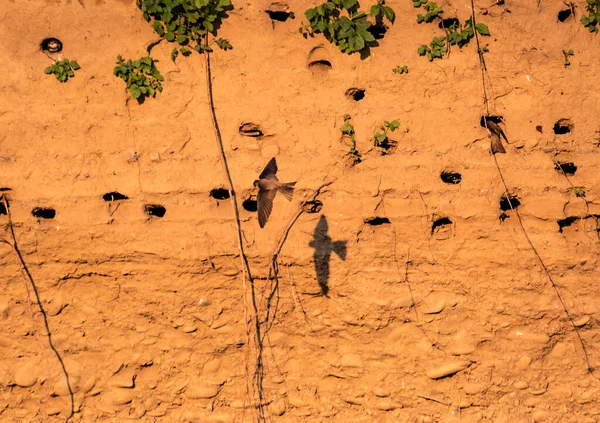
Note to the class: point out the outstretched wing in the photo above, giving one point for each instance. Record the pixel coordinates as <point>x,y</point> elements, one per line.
<point>270,170</point>
<point>264,202</point>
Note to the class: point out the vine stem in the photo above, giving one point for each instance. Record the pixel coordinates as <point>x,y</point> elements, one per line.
<point>518,215</point>
<point>246,274</point>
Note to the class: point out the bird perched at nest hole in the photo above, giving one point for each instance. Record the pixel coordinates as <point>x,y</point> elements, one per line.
<point>268,185</point>
<point>495,133</point>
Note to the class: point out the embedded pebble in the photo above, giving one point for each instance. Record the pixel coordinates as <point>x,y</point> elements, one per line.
<point>55,305</point>
<point>230,271</point>
<point>220,322</point>
<point>462,343</point>
<point>448,369</point>
<point>435,307</point>
<point>473,388</point>
<point>387,405</point>
<point>122,380</point>
<point>212,366</point>
<point>62,389</point>
<point>155,156</point>
<point>536,338</point>
<point>520,385</point>
<point>582,321</point>
<point>351,360</point>
<point>523,362</point>
<point>27,375</point>
<point>540,416</point>
<point>189,329</point>
<point>296,401</point>
<point>381,392</point>
<point>118,396</point>
<point>354,400</point>
<point>200,391</point>
<point>278,407</point>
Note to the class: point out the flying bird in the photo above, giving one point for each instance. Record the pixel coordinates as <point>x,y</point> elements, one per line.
<point>495,133</point>
<point>268,185</point>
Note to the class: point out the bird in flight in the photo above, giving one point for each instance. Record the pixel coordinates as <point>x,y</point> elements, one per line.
<point>268,185</point>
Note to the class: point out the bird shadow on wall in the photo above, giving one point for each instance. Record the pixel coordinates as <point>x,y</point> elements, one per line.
<point>324,246</point>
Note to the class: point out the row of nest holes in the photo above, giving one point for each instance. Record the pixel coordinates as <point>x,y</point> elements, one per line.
<point>561,127</point>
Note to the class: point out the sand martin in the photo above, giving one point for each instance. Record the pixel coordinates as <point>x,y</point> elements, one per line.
<point>268,185</point>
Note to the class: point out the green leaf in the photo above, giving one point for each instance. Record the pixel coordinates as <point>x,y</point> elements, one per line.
<point>348,4</point>
<point>422,50</point>
<point>75,65</point>
<point>482,29</point>
<point>135,91</point>
<point>185,51</point>
<point>170,37</point>
<point>182,39</point>
<point>48,70</point>
<point>209,26</point>
<point>174,54</point>
<point>389,14</point>
<point>310,14</point>
<point>158,27</point>
<point>375,9</point>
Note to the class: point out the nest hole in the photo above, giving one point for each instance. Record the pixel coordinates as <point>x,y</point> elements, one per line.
<point>219,193</point>
<point>114,196</point>
<point>279,16</point>
<point>155,210</point>
<point>563,15</point>
<point>448,22</point>
<point>377,221</point>
<point>378,31</point>
<point>312,206</point>
<point>450,177</point>
<point>320,66</point>
<point>3,209</point>
<point>509,203</point>
<point>563,126</point>
<point>249,129</point>
<point>43,213</point>
<point>568,168</point>
<point>355,94</point>
<point>566,222</point>
<point>539,129</point>
<point>51,45</point>
<point>494,118</point>
<point>250,204</point>
<point>439,223</point>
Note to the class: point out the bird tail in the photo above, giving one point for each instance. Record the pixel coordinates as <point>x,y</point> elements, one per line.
<point>287,189</point>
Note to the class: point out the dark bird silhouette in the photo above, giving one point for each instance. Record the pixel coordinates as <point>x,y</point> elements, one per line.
<point>495,133</point>
<point>268,185</point>
<point>324,246</point>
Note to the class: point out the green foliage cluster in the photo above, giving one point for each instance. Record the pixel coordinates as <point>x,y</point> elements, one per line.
<point>381,138</point>
<point>63,69</point>
<point>578,191</point>
<point>567,54</point>
<point>400,69</point>
<point>187,22</point>
<point>350,32</point>
<point>347,129</point>
<point>457,33</point>
<point>142,77</point>
<point>592,20</point>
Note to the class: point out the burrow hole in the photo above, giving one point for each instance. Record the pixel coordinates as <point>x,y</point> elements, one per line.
<point>568,221</point>
<point>319,66</point>
<point>563,126</point>
<point>494,118</point>
<point>114,196</point>
<point>250,204</point>
<point>312,206</point>
<point>440,223</point>
<point>279,16</point>
<point>155,210</point>
<point>568,168</point>
<point>3,209</point>
<point>51,45</point>
<point>448,22</point>
<point>539,128</point>
<point>507,202</point>
<point>563,15</point>
<point>355,94</point>
<point>249,129</point>
<point>318,61</point>
<point>43,213</point>
<point>450,177</point>
<point>219,193</point>
<point>377,221</point>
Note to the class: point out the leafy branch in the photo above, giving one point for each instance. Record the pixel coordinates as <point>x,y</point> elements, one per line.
<point>344,25</point>
<point>63,69</point>
<point>592,20</point>
<point>142,77</point>
<point>381,137</point>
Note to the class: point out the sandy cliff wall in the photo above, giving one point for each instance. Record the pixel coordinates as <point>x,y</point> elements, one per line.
<point>122,290</point>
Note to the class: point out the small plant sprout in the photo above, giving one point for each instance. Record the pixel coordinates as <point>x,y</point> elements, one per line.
<point>432,9</point>
<point>381,138</point>
<point>187,23</point>
<point>578,191</point>
<point>344,25</point>
<point>347,130</point>
<point>400,69</point>
<point>592,20</point>
<point>142,77</point>
<point>63,69</point>
<point>567,54</point>
<point>436,49</point>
